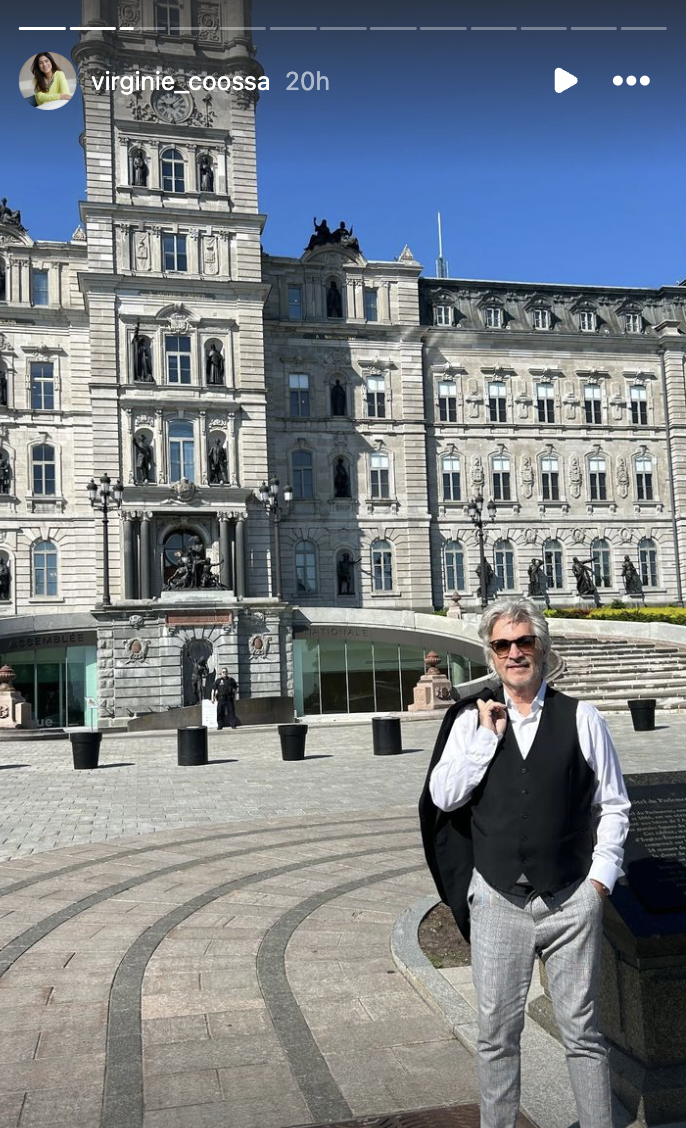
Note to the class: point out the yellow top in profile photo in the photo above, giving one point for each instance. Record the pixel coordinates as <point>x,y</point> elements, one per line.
<point>58,86</point>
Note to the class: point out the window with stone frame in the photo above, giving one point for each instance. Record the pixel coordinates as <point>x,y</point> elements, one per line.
<point>601,556</point>
<point>633,322</point>
<point>44,569</point>
<point>41,289</point>
<point>299,394</point>
<point>453,566</point>
<point>379,482</point>
<point>168,17</point>
<point>303,475</point>
<point>503,556</point>
<point>643,467</point>
<point>177,353</point>
<point>376,397</point>
<point>493,317</point>
<point>500,474</point>
<point>295,303</point>
<point>638,398</point>
<point>597,478</point>
<point>550,477</point>
<point>371,304</point>
<point>447,401</point>
<point>174,253</point>
<point>588,320</point>
<point>542,318</point>
<point>43,470</point>
<point>173,171</point>
<point>497,401</point>
<point>181,450</point>
<point>382,565</point>
<point>552,563</point>
<point>450,471</point>
<point>647,562</point>
<point>545,403</point>
<point>593,406</point>
<point>305,554</point>
<point>443,314</point>
<point>42,386</point>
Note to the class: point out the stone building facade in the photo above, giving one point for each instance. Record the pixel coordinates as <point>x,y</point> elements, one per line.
<point>164,347</point>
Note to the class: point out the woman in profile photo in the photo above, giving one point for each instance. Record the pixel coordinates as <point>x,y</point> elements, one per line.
<point>49,81</point>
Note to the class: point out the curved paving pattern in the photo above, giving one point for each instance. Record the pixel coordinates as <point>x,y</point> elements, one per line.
<point>246,974</point>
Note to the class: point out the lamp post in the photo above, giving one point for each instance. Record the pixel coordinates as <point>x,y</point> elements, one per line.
<point>270,496</point>
<point>475,510</point>
<point>102,498</point>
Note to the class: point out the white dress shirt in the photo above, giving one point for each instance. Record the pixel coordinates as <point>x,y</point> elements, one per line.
<point>471,747</point>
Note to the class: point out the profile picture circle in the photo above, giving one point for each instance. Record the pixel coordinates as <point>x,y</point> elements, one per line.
<point>47,81</point>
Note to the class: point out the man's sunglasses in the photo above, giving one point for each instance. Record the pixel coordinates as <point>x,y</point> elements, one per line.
<point>525,643</point>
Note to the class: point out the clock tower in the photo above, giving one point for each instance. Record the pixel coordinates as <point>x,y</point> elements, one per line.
<point>173,284</point>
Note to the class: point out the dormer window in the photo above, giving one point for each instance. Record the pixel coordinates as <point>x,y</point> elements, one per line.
<point>588,320</point>
<point>493,316</point>
<point>542,318</point>
<point>443,315</point>
<point>633,322</point>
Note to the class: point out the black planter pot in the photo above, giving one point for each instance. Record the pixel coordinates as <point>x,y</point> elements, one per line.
<point>386,736</point>
<point>643,713</point>
<point>192,746</point>
<point>292,739</point>
<point>85,748</point>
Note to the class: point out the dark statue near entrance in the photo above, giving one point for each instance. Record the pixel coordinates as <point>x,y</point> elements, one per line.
<point>5,580</point>
<point>334,300</point>
<point>585,584</point>
<point>345,574</point>
<point>338,399</point>
<point>188,574</point>
<point>199,677</point>
<point>341,479</point>
<point>142,356</point>
<point>5,473</point>
<point>218,474</point>
<point>3,387</point>
<point>143,459</point>
<point>632,580</point>
<point>538,587</point>
<point>490,575</point>
<point>214,365</point>
<point>206,174</point>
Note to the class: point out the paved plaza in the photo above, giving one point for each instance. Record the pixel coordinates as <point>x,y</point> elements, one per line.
<point>212,946</point>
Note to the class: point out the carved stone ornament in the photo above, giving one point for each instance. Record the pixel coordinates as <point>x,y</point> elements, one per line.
<point>406,255</point>
<point>478,478</point>
<point>129,13</point>
<point>208,23</point>
<point>578,536</point>
<point>217,421</point>
<point>625,536</point>
<point>179,319</point>
<point>575,478</point>
<point>622,477</point>
<point>137,650</point>
<point>144,421</point>
<point>527,476</point>
<point>136,621</point>
<point>259,646</point>
<point>184,490</point>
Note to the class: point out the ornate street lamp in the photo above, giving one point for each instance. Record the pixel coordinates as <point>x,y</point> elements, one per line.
<point>475,510</point>
<point>103,498</point>
<point>270,496</point>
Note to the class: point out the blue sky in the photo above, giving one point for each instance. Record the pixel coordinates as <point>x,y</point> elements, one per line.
<point>581,187</point>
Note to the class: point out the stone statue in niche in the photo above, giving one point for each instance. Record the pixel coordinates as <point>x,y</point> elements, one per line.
<point>218,473</point>
<point>3,281</point>
<point>3,388</point>
<point>527,476</point>
<point>5,580</point>
<point>575,478</point>
<point>206,174</point>
<point>345,574</point>
<point>214,365</point>
<point>144,456</point>
<point>341,479</point>
<point>142,356</point>
<point>210,254</point>
<point>199,677</point>
<point>334,300</point>
<point>622,477</point>
<point>139,169</point>
<point>338,399</point>
<point>5,473</point>
<point>632,580</point>
<point>478,478</point>
<point>143,251</point>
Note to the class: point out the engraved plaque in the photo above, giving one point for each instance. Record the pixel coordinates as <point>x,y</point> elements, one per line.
<point>655,854</point>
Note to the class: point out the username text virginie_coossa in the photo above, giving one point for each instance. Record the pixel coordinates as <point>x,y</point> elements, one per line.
<point>137,80</point>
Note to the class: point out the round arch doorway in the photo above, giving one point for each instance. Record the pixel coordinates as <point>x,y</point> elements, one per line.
<point>175,545</point>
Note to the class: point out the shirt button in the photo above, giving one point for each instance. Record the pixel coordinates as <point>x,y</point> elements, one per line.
<point>524,838</point>
<point>524,791</point>
<point>524,771</point>
<point>525,816</point>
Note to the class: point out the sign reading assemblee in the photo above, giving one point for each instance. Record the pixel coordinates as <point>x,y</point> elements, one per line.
<point>57,638</point>
<point>128,83</point>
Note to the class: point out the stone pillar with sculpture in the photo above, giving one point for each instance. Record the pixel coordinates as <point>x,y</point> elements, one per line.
<point>432,691</point>
<point>15,711</point>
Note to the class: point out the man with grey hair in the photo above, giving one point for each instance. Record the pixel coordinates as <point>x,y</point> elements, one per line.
<point>536,775</point>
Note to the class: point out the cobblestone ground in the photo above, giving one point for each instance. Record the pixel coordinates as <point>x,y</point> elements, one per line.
<point>210,946</point>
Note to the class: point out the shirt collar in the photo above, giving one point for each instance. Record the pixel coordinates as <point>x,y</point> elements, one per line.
<point>536,704</point>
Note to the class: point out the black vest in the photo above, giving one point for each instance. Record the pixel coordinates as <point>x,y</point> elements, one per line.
<point>533,816</point>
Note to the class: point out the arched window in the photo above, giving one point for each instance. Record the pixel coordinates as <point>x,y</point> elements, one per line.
<point>181,450</point>
<point>45,568</point>
<point>173,171</point>
<point>305,567</point>
<point>552,562</point>
<point>303,474</point>
<point>453,566</point>
<point>503,553</point>
<point>647,562</point>
<point>382,565</point>
<point>176,544</point>
<point>450,466</point>
<point>602,563</point>
<point>43,466</point>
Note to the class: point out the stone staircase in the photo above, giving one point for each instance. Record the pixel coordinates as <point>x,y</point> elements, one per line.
<point>610,671</point>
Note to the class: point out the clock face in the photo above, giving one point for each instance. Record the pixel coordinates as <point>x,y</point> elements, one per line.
<point>171,106</point>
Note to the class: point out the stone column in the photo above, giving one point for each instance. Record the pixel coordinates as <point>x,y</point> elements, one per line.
<point>225,551</point>
<point>240,557</point>
<point>202,440</point>
<point>130,538</point>
<point>144,557</point>
<point>232,448</point>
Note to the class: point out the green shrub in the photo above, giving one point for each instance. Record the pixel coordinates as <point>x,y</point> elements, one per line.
<point>615,613</point>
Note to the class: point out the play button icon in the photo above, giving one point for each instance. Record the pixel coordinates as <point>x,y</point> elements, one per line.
<point>563,80</point>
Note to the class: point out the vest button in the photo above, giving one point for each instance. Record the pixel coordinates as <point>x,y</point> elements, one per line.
<point>524,815</point>
<point>524,791</point>
<point>524,838</point>
<point>524,771</point>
